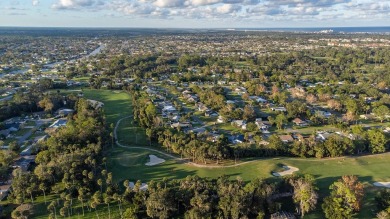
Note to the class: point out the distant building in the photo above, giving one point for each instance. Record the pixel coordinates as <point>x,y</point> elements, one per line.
<point>299,122</point>
<point>286,138</point>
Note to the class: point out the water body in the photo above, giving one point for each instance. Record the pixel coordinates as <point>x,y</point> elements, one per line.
<point>382,30</point>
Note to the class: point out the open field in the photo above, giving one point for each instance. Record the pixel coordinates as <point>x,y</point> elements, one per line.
<point>129,134</point>
<point>116,103</point>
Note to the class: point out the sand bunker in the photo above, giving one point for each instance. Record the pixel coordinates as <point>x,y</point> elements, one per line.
<point>143,187</point>
<point>154,160</point>
<point>382,184</point>
<point>288,171</point>
<point>95,103</point>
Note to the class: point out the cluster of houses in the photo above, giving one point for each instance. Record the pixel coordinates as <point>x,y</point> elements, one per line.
<point>26,157</point>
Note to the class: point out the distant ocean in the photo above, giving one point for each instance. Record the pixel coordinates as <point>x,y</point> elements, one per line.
<point>318,29</point>
<point>139,31</point>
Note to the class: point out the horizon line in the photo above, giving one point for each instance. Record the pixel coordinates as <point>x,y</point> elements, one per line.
<point>200,28</point>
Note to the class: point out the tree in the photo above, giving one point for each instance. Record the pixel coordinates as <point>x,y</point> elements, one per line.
<point>345,198</point>
<point>201,206</point>
<point>46,104</point>
<point>43,188</point>
<point>22,211</point>
<point>311,98</point>
<point>334,104</point>
<point>377,141</point>
<point>160,203</point>
<point>249,113</point>
<point>280,120</point>
<point>305,195</point>
<point>381,112</point>
<point>383,200</point>
<point>130,213</point>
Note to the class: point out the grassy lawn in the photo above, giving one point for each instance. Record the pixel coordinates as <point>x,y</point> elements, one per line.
<point>22,131</point>
<point>116,103</point>
<point>30,123</point>
<point>128,134</point>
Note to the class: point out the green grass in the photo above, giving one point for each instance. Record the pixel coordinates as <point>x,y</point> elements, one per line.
<point>116,103</point>
<point>128,134</point>
<point>30,123</point>
<point>368,168</point>
<point>22,131</point>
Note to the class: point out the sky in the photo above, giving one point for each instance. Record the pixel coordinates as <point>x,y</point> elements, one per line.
<point>194,13</point>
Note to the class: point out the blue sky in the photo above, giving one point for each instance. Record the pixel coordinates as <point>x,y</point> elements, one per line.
<point>194,13</point>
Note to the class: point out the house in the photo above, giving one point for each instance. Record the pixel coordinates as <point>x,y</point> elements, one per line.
<point>181,125</point>
<point>221,119</point>
<point>193,99</point>
<point>213,137</point>
<point>240,90</point>
<point>221,82</point>
<point>258,99</point>
<point>65,112</point>
<point>4,133</point>
<point>262,125</point>
<point>12,127</point>
<point>4,190</point>
<point>366,116</point>
<point>279,109</point>
<point>169,109</point>
<point>210,113</point>
<point>238,123</point>
<point>202,107</point>
<point>236,139</point>
<point>286,138</point>
<point>298,136</point>
<point>198,130</point>
<point>230,102</point>
<point>175,118</point>
<point>321,113</point>
<point>299,122</point>
<point>322,136</point>
<point>24,162</point>
<point>58,123</point>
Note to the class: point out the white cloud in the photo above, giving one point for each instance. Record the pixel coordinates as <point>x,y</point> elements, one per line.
<point>168,3</point>
<point>75,4</point>
<point>286,10</point>
<point>35,2</point>
<point>228,8</point>
<point>203,2</point>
